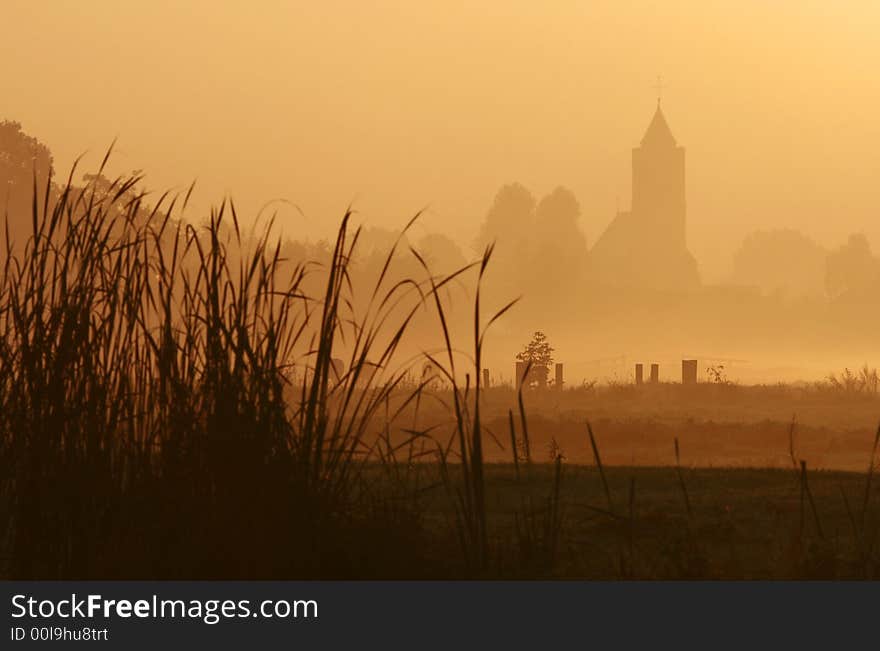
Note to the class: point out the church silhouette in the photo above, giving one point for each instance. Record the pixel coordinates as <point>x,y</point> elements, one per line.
<point>646,247</point>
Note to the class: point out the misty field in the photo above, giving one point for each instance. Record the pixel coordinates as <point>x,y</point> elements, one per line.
<point>717,425</point>
<point>673,482</point>
<point>184,401</point>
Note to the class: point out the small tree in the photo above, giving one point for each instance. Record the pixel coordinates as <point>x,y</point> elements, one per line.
<point>539,354</point>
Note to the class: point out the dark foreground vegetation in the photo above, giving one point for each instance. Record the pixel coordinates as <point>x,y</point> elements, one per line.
<point>662,523</point>
<point>171,407</point>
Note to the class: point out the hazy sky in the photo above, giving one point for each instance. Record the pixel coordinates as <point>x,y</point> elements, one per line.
<point>396,106</point>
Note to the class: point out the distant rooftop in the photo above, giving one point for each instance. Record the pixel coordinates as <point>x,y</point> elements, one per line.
<point>658,133</point>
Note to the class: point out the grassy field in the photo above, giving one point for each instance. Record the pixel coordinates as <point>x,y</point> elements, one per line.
<point>172,407</point>
<point>717,426</point>
<point>733,524</point>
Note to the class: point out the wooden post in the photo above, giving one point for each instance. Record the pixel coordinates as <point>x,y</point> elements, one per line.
<point>559,381</point>
<point>688,371</point>
<point>520,373</point>
<point>639,374</point>
<point>485,378</point>
<point>655,373</point>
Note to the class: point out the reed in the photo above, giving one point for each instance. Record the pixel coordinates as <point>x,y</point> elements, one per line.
<point>601,468</point>
<point>168,404</point>
<point>681,482</point>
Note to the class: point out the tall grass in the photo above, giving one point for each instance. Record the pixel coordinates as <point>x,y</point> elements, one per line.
<point>168,398</point>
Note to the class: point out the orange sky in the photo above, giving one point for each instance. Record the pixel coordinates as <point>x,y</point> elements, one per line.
<point>395,106</point>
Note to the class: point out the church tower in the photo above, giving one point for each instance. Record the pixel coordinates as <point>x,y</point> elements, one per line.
<point>647,246</point>
<point>658,193</point>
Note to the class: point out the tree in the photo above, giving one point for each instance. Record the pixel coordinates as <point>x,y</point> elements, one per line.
<point>539,355</point>
<point>541,250</point>
<point>852,269</point>
<point>441,253</point>
<point>784,261</point>
<point>559,247</point>
<point>21,157</point>
<point>559,212</point>
<point>510,217</point>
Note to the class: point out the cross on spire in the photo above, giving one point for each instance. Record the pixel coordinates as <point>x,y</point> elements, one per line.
<point>659,86</point>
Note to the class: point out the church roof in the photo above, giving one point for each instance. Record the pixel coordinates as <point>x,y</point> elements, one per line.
<point>658,133</point>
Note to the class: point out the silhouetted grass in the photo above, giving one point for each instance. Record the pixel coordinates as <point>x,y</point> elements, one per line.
<point>167,407</point>
<point>172,406</point>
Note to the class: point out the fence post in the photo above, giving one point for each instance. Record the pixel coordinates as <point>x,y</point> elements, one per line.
<point>688,371</point>
<point>559,381</point>
<point>655,373</point>
<point>639,374</point>
<point>485,378</point>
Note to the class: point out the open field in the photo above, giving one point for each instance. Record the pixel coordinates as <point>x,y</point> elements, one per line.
<point>743,523</point>
<point>716,425</point>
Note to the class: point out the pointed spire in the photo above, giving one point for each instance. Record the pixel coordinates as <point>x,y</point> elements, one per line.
<point>658,133</point>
